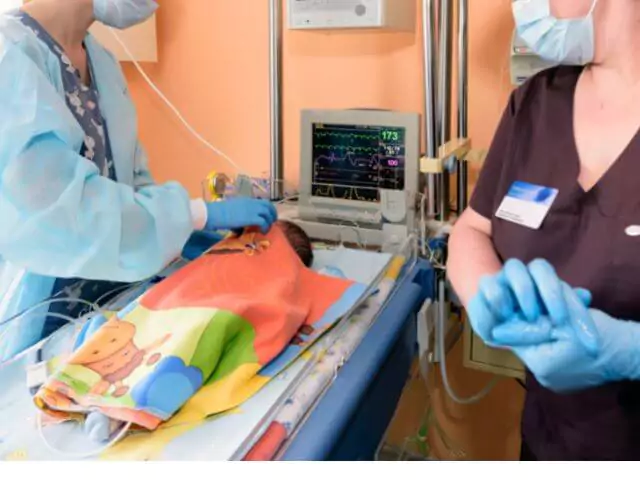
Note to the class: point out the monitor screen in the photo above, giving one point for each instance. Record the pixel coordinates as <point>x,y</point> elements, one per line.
<point>352,162</point>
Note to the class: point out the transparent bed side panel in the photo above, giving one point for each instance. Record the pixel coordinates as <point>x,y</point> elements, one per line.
<point>23,374</point>
<point>38,313</point>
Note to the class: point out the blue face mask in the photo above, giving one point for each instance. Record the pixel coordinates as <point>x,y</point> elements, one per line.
<point>568,41</point>
<point>123,13</point>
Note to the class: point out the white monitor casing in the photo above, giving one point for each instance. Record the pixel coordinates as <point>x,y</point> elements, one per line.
<point>391,219</point>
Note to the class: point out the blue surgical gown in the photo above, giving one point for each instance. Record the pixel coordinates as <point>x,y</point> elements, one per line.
<point>76,197</point>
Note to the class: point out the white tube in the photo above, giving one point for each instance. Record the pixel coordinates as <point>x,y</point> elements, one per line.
<point>177,113</point>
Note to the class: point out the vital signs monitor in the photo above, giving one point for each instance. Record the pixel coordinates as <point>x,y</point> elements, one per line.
<point>359,166</point>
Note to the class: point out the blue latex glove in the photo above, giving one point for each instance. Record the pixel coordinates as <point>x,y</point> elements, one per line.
<point>199,243</point>
<point>525,293</point>
<point>241,212</point>
<point>558,358</point>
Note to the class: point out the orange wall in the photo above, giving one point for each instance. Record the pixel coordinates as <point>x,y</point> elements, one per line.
<point>214,67</point>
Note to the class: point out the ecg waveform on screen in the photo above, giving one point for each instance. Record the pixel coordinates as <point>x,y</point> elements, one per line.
<point>347,136</point>
<point>350,157</point>
<point>349,148</point>
<point>345,193</point>
<point>354,163</point>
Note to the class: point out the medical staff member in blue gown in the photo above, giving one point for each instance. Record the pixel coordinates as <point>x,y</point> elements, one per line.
<point>79,211</point>
<point>547,257</point>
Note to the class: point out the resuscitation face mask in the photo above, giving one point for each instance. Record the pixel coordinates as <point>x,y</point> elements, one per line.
<point>123,13</point>
<point>566,41</point>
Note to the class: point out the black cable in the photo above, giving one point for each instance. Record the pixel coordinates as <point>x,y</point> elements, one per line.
<point>522,384</point>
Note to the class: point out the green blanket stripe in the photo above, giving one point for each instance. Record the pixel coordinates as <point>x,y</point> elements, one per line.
<point>225,344</point>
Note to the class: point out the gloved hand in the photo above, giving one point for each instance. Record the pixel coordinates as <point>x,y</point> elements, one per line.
<point>558,358</point>
<point>199,243</point>
<point>525,293</point>
<point>239,213</point>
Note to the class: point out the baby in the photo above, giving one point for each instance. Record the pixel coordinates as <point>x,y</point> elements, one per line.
<point>299,240</point>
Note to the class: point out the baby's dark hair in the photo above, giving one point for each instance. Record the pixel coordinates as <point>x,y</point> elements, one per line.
<point>299,240</point>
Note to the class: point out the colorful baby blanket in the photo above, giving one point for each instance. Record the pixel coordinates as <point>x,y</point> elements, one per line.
<point>220,327</point>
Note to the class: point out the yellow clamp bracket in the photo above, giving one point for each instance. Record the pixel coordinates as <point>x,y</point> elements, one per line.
<point>216,185</point>
<point>458,148</point>
<point>431,165</point>
<point>476,157</point>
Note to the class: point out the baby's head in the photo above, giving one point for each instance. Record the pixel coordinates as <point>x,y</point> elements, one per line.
<point>298,239</point>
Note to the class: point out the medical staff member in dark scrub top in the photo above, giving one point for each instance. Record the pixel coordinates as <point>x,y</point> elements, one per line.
<point>80,213</point>
<point>547,258</point>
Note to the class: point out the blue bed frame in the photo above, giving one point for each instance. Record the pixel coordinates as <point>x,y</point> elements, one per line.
<point>352,417</point>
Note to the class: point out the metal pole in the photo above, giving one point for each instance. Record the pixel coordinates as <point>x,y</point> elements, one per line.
<point>429,66</point>
<point>444,98</point>
<point>444,71</point>
<point>463,98</point>
<point>276,172</point>
<point>463,67</point>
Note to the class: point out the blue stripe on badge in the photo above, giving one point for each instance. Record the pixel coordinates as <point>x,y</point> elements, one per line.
<point>532,193</point>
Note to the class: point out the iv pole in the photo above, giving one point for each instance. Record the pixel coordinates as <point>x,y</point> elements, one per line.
<point>276,171</point>
<point>463,99</point>
<point>441,151</point>
<point>429,68</point>
<point>444,152</point>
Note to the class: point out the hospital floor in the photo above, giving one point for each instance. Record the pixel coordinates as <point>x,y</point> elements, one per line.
<point>407,438</point>
<point>428,426</point>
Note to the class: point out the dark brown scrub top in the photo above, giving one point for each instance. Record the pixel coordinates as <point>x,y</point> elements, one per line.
<point>583,237</point>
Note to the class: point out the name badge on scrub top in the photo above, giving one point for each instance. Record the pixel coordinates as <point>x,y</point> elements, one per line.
<point>526,204</point>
